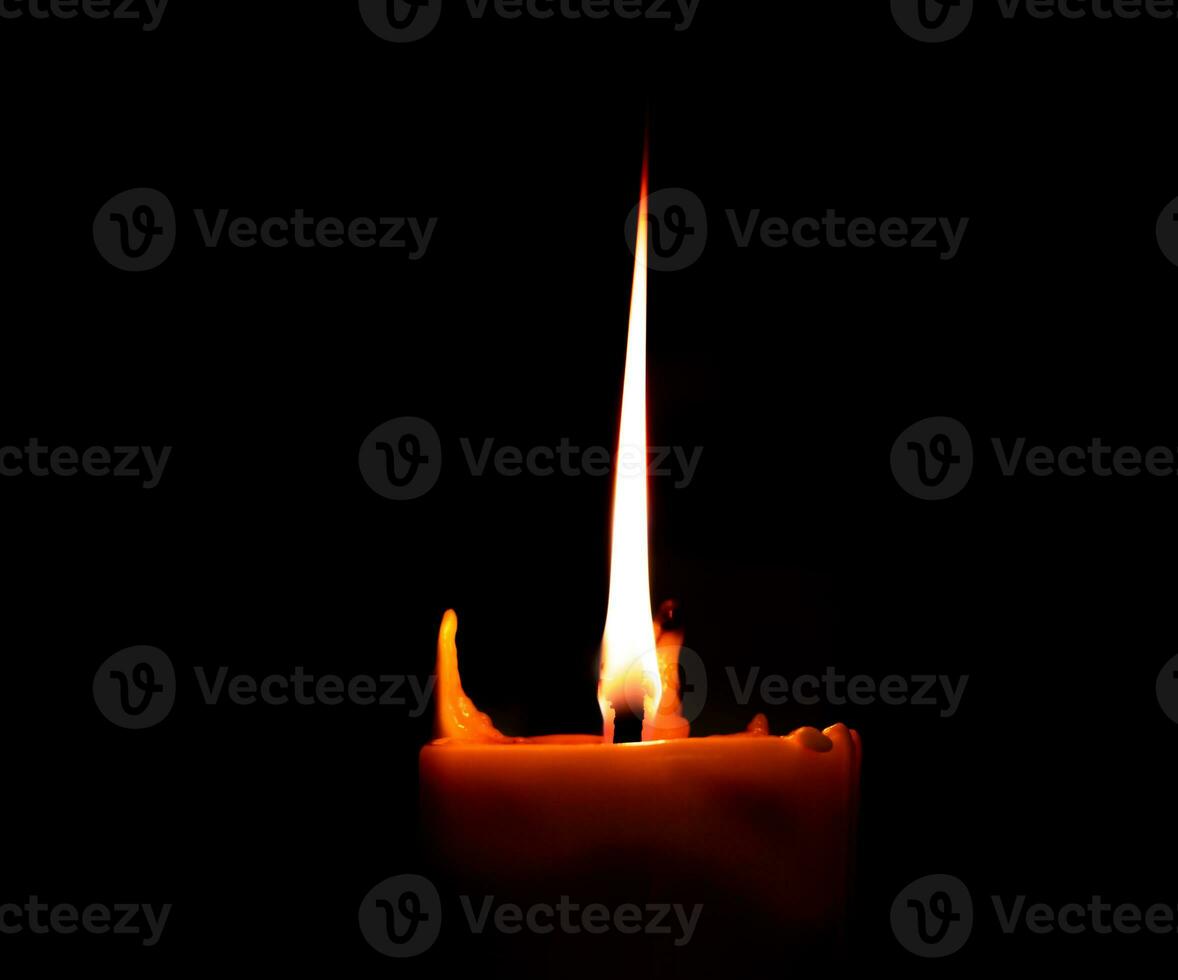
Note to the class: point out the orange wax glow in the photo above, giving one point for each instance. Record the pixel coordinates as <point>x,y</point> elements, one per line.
<point>759,827</point>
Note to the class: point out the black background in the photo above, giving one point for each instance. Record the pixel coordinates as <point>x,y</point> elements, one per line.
<point>793,548</point>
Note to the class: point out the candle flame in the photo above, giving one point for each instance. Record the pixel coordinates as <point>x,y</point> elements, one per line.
<point>629,661</point>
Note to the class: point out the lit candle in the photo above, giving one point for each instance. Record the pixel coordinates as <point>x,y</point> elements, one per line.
<point>757,828</point>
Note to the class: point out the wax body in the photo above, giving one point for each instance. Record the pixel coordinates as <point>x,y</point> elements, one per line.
<point>757,822</point>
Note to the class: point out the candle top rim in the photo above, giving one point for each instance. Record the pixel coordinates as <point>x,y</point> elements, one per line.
<point>805,737</point>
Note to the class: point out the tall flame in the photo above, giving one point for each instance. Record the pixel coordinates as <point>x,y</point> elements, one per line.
<point>629,662</point>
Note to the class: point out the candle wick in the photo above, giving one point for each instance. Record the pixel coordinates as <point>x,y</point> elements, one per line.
<point>627,723</point>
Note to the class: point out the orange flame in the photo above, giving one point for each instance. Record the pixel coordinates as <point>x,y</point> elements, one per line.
<point>629,661</point>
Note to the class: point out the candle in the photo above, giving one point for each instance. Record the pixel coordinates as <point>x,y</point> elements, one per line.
<point>753,830</point>
<point>766,821</point>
